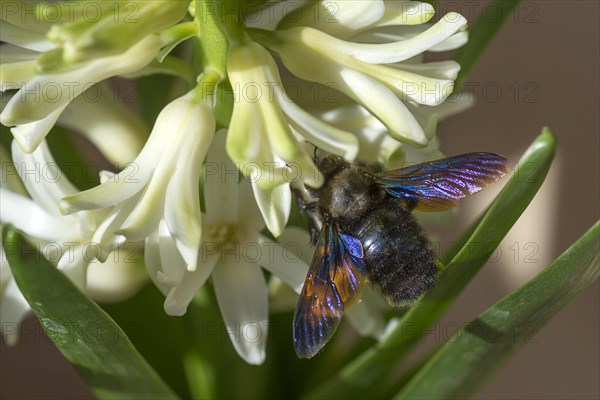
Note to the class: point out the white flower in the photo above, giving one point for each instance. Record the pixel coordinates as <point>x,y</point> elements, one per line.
<point>260,132</point>
<point>345,19</point>
<point>381,77</point>
<point>232,253</point>
<point>267,132</point>
<point>162,182</point>
<point>114,29</point>
<point>41,99</point>
<point>51,62</point>
<point>67,241</point>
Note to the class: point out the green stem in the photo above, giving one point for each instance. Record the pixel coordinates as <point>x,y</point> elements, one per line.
<point>212,44</point>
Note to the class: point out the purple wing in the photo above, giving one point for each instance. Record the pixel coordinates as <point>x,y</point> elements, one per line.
<point>333,283</point>
<point>439,184</point>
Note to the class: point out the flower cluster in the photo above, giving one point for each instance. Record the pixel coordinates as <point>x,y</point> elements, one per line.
<point>352,83</point>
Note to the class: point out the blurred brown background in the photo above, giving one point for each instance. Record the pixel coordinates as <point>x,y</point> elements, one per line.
<point>541,70</point>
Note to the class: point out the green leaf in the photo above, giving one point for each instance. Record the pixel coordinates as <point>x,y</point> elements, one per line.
<point>373,367</point>
<point>477,351</point>
<point>481,35</point>
<point>86,335</point>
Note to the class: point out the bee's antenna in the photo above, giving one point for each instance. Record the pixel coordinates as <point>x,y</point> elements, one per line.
<point>315,154</point>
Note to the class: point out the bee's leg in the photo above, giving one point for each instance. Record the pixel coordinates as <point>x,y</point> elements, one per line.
<point>314,231</point>
<point>308,207</point>
<point>305,206</point>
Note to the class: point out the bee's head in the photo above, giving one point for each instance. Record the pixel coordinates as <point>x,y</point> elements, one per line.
<point>330,164</point>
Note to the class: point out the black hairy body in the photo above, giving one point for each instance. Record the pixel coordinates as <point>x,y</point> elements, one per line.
<point>362,227</point>
<point>397,254</point>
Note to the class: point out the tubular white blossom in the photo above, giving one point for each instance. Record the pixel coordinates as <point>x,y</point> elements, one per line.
<point>162,181</point>
<point>389,91</point>
<point>259,133</point>
<point>70,237</point>
<point>232,224</point>
<point>38,104</point>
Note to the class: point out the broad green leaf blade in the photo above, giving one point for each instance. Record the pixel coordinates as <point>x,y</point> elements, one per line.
<point>373,366</point>
<point>476,352</point>
<point>481,35</point>
<point>85,334</point>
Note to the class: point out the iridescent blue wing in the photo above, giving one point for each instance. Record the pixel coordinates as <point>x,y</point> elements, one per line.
<point>333,283</point>
<point>439,184</point>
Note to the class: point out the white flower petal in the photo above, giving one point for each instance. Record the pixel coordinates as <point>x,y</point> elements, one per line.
<point>325,136</point>
<point>250,216</point>
<point>120,187</point>
<point>242,296</point>
<point>173,265</point>
<point>25,38</point>
<point>453,42</point>
<point>182,203</point>
<point>388,53</point>
<point>180,296</point>
<point>14,75</point>
<point>30,218</point>
<point>338,18</point>
<point>183,216</point>
<point>453,105</point>
<point>425,116</point>
<point>46,183</point>
<point>438,70</point>
<point>275,206</point>
<point>10,178</point>
<point>74,262</point>
<point>284,261</point>
<point>155,163</point>
<point>392,34</point>
<point>296,242</point>
<point>148,211</point>
<point>259,133</point>
<point>382,102</point>
<point>106,233</point>
<point>13,310</point>
<point>246,124</point>
<point>248,145</point>
<point>31,134</point>
<point>55,90</point>
<point>152,261</point>
<point>117,279</point>
<point>221,183</point>
<point>163,261</point>
<point>375,142</point>
<point>410,86</point>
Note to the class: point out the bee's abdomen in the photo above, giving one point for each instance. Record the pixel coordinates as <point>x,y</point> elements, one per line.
<point>397,254</point>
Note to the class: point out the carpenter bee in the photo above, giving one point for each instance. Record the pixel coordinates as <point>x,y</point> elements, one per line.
<point>362,226</point>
